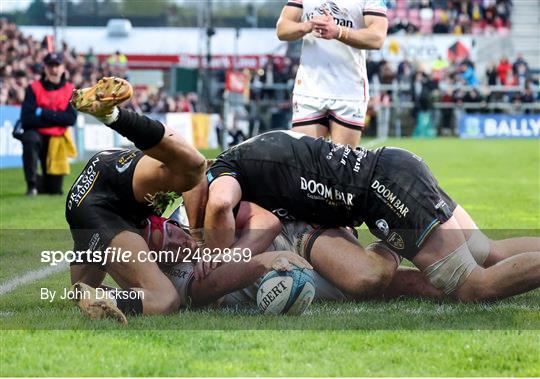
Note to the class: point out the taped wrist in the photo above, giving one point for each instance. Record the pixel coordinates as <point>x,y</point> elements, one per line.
<point>144,132</point>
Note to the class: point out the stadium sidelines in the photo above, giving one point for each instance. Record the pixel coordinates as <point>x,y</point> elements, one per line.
<point>34,275</point>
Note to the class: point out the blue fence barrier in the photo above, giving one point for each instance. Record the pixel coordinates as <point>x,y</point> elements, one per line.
<point>10,148</point>
<point>499,126</point>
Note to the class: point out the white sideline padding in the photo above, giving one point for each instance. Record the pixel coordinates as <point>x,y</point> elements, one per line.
<point>30,277</point>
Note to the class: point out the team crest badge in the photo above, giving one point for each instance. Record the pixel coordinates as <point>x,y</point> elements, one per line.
<point>396,241</point>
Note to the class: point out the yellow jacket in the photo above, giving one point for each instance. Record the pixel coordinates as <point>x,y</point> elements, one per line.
<point>60,149</point>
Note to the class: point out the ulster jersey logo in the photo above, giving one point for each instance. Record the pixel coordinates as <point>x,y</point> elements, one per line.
<point>330,6</point>
<point>340,16</point>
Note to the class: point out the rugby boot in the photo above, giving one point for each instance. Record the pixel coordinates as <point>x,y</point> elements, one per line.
<point>101,99</point>
<point>96,309</point>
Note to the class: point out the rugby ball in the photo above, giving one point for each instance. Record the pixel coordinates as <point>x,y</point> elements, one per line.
<point>286,292</point>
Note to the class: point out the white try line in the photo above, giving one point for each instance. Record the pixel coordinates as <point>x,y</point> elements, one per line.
<point>30,277</point>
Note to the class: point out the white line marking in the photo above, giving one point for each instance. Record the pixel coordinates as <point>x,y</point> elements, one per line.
<point>31,276</point>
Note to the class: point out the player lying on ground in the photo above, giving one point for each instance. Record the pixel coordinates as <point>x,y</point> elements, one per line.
<point>162,234</point>
<point>298,237</point>
<point>335,253</point>
<point>391,190</point>
<point>107,207</point>
<point>237,282</point>
<point>108,203</point>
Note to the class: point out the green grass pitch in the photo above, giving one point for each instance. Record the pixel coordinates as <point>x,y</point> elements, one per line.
<point>497,181</point>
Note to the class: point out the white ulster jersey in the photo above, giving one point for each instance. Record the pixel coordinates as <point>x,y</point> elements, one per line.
<point>330,68</point>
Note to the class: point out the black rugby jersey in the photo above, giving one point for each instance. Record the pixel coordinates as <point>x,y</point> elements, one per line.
<point>299,177</point>
<point>106,182</point>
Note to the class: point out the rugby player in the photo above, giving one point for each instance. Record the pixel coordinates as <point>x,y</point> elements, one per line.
<point>392,190</point>
<point>341,264</point>
<point>331,90</point>
<point>109,202</point>
<point>311,242</point>
<point>108,207</point>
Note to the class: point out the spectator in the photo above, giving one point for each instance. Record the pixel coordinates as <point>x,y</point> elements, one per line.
<point>439,68</point>
<point>118,64</point>
<point>442,25</point>
<point>504,70</point>
<point>421,87</point>
<point>527,97</point>
<point>447,113</point>
<point>45,114</point>
<point>452,16</point>
<point>404,71</point>
<point>468,75</point>
<point>473,96</point>
<point>491,74</point>
<point>386,74</point>
<point>520,64</point>
<point>183,104</point>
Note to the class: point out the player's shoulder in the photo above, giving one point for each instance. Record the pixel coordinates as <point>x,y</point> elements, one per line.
<point>374,7</point>
<point>295,3</point>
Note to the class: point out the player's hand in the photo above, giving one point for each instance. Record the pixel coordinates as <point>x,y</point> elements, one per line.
<point>202,269</point>
<point>286,261</point>
<point>325,26</point>
<point>307,27</point>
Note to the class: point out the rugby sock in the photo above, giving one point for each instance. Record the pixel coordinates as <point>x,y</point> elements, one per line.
<point>144,132</point>
<point>129,302</point>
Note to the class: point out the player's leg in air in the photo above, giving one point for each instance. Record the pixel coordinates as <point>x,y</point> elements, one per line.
<point>440,238</point>
<point>110,200</point>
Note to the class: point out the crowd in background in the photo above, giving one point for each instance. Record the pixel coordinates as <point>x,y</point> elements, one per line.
<point>21,62</point>
<point>448,77</point>
<point>449,16</point>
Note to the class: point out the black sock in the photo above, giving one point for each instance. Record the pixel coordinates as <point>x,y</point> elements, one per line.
<point>144,132</point>
<point>129,302</point>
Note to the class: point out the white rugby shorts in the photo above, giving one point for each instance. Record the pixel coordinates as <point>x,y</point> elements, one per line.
<point>308,110</point>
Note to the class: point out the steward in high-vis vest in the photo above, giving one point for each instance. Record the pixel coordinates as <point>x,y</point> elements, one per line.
<point>46,115</point>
